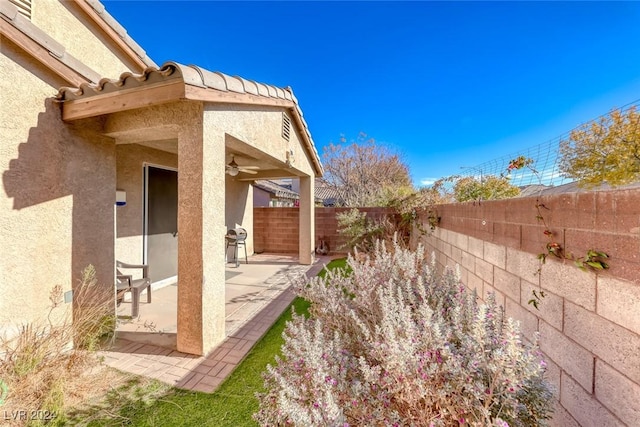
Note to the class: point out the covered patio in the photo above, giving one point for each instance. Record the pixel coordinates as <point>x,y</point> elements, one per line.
<point>257,294</point>
<point>249,288</point>
<point>187,145</point>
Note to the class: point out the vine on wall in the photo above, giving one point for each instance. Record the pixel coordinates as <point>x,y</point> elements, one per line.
<point>593,260</point>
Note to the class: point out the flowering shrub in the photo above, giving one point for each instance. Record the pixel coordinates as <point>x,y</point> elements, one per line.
<point>391,343</point>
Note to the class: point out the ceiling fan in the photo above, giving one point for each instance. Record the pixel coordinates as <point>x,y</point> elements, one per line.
<point>233,168</point>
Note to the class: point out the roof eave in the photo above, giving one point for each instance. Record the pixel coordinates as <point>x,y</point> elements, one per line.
<point>43,48</point>
<point>116,32</point>
<point>318,169</point>
<point>173,82</point>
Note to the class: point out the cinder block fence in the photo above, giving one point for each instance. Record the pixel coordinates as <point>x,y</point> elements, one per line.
<point>276,229</point>
<point>589,323</point>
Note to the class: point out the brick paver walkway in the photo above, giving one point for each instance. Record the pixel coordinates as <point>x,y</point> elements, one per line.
<point>205,373</point>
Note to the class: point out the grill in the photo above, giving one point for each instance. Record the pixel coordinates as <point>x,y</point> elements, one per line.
<point>236,237</point>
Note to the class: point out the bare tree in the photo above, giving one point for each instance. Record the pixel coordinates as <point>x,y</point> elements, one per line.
<point>365,173</point>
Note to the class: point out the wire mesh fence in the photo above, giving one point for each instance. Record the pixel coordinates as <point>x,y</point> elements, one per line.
<point>546,162</point>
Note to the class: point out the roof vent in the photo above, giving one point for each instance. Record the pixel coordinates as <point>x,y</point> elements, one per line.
<point>286,126</point>
<point>24,7</point>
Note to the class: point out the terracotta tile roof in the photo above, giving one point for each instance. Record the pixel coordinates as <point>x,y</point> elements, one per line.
<point>126,80</point>
<point>192,75</point>
<point>197,77</point>
<point>278,190</point>
<point>10,14</point>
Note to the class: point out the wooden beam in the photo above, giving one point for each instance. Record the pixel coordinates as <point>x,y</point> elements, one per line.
<point>122,100</point>
<point>221,97</point>
<point>41,54</point>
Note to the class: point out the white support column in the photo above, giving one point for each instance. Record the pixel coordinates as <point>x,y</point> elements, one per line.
<point>307,220</point>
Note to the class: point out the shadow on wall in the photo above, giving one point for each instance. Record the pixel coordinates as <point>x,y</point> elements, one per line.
<point>236,197</point>
<point>60,160</point>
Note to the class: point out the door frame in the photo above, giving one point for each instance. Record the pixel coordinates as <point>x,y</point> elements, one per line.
<point>145,219</point>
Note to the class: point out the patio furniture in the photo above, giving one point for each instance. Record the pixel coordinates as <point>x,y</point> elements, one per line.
<point>126,283</point>
<point>236,237</point>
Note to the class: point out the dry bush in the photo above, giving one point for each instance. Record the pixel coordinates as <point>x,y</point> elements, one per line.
<point>41,366</point>
<point>361,231</point>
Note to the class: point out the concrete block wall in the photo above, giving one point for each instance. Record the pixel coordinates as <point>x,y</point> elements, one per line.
<point>589,324</point>
<point>276,229</point>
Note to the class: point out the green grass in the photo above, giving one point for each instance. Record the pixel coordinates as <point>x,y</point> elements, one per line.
<point>335,264</point>
<point>232,404</point>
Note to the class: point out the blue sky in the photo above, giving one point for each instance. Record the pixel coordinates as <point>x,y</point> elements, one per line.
<point>448,84</point>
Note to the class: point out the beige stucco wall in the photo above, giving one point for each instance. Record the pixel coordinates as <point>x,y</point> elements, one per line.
<point>65,22</point>
<point>130,160</point>
<point>201,272</point>
<point>56,205</point>
<point>261,128</point>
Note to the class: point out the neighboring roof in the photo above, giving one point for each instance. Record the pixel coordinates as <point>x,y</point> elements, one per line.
<point>173,81</point>
<point>275,189</point>
<point>326,193</point>
<point>41,46</point>
<point>532,190</point>
<point>571,187</point>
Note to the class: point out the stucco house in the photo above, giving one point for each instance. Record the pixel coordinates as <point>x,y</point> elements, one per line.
<point>86,115</point>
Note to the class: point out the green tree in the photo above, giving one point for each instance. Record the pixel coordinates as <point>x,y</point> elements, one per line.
<point>366,173</point>
<point>487,188</point>
<point>605,150</point>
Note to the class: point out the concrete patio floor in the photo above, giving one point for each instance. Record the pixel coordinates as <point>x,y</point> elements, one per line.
<point>256,294</point>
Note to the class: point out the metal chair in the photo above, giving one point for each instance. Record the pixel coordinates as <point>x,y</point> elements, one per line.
<point>126,283</point>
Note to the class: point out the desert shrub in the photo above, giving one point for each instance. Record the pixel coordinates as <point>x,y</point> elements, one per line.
<point>38,364</point>
<point>393,343</point>
<point>358,230</point>
<point>361,231</point>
